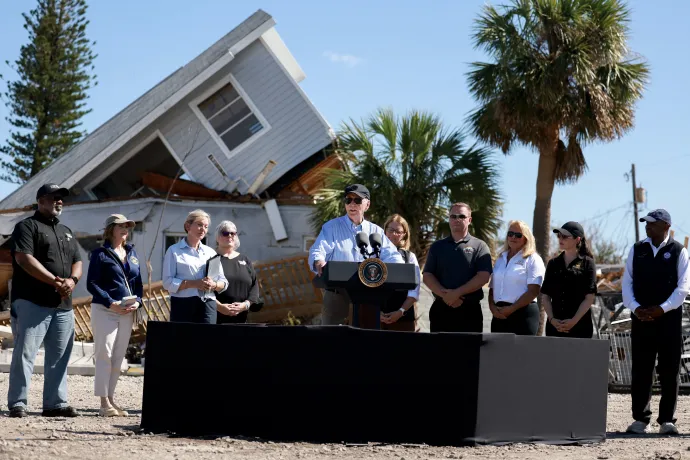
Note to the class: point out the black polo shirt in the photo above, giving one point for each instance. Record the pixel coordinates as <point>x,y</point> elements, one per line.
<point>454,264</point>
<point>55,247</point>
<point>568,285</point>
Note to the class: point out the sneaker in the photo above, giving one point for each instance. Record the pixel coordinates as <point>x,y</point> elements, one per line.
<point>638,427</point>
<point>18,412</point>
<point>668,428</point>
<point>60,412</point>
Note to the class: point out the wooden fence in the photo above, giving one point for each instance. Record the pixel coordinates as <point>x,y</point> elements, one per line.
<point>285,286</point>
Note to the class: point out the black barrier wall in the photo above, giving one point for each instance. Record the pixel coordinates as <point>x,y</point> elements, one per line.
<point>336,383</point>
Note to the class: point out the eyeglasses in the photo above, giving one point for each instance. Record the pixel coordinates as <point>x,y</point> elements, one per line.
<point>357,200</point>
<point>458,216</point>
<point>515,235</point>
<point>562,236</point>
<point>395,232</point>
<point>226,234</point>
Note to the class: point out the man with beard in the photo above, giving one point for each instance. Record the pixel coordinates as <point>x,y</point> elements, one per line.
<point>47,265</point>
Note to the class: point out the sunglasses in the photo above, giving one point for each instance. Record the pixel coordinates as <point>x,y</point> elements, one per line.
<point>458,216</point>
<point>514,235</point>
<point>562,236</point>
<point>226,234</point>
<point>357,200</point>
<point>54,197</point>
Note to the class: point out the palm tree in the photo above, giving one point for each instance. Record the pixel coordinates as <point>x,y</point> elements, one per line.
<point>561,76</point>
<point>416,167</point>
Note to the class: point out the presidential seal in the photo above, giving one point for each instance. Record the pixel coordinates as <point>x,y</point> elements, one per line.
<point>373,272</point>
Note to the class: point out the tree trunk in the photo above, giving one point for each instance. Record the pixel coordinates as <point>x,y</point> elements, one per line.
<point>541,225</point>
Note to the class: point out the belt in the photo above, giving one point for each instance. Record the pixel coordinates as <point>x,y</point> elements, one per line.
<point>331,290</point>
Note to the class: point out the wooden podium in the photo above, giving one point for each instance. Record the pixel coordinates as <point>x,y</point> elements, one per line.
<point>369,284</point>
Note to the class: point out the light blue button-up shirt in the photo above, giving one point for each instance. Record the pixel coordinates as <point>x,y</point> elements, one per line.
<point>183,262</point>
<point>336,242</point>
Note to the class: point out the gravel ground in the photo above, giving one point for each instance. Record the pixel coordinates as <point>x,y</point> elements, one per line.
<point>90,436</point>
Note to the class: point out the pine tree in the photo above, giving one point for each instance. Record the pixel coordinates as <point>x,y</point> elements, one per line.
<point>47,101</point>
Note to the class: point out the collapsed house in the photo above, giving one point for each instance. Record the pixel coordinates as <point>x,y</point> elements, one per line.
<point>234,123</point>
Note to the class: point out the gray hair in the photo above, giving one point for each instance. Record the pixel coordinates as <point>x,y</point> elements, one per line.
<point>195,215</point>
<point>227,225</point>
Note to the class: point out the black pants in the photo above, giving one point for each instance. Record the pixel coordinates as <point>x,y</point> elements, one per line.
<point>662,339</point>
<point>466,318</point>
<point>524,321</point>
<point>192,310</point>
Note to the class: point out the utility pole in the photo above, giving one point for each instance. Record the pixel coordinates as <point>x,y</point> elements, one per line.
<point>634,190</point>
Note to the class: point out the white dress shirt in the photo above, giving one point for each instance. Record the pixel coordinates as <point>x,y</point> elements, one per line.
<point>183,262</point>
<point>679,293</point>
<point>511,278</point>
<point>412,259</point>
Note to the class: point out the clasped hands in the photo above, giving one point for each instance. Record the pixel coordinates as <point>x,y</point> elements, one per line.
<point>232,309</point>
<point>649,313</point>
<point>63,286</point>
<point>452,298</point>
<point>563,325</point>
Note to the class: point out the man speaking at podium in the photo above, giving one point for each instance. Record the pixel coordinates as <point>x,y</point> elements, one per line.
<point>337,242</point>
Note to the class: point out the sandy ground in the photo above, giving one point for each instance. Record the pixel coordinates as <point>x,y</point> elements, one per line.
<point>90,436</point>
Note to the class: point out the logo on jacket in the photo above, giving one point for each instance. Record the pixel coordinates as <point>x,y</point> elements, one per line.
<point>68,236</point>
<point>667,255</point>
<point>134,260</point>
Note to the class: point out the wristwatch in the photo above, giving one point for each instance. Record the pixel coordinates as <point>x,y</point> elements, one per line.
<point>402,310</point>
<point>75,279</point>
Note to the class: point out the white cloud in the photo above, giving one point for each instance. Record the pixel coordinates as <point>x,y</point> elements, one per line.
<point>346,59</point>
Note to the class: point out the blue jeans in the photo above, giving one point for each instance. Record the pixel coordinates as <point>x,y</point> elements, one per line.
<point>36,325</point>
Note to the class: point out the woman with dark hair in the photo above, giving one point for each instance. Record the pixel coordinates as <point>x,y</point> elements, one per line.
<point>570,285</point>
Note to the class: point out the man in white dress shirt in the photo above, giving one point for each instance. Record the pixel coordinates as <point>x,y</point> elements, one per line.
<point>336,242</point>
<point>655,284</point>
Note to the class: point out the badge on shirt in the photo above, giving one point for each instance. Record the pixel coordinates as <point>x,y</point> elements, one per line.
<point>242,262</point>
<point>667,255</point>
<point>468,250</point>
<point>134,260</point>
<point>68,236</point>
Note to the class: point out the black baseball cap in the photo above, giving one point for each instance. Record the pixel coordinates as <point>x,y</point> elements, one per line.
<point>573,229</point>
<point>358,189</point>
<point>656,215</point>
<point>50,189</point>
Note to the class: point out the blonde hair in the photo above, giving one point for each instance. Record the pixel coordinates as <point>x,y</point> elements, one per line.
<point>405,241</point>
<point>194,216</point>
<point>108,234</point>
<point>530,246</point>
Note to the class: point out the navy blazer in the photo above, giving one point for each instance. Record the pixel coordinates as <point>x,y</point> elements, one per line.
<point>106,280</point>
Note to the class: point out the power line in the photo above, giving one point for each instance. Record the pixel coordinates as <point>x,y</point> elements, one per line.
<point>605,213</point>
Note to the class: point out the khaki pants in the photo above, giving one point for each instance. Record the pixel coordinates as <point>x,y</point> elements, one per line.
<point>336,308</point>
<point>111,333</point>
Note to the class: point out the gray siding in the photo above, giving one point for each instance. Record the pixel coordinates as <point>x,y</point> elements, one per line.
<point>296,130</point>
<point>107,133</point>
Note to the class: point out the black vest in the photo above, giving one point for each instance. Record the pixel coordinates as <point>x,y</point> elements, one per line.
<point>655,278</point>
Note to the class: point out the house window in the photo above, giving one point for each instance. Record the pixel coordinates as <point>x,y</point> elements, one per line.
<point>308,242</point>
<point>230,117</point>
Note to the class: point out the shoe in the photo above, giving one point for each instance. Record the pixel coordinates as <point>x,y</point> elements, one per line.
<point>638,427</point>
<point>60,412</point>
<point>668,428</point>
<point>18,412</point>
<point>108,412</point>
<point>122,413</point>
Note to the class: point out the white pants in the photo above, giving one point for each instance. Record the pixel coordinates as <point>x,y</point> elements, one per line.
<point>111,333</point>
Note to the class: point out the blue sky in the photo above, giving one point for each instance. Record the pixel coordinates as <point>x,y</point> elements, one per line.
<point>403,54</point>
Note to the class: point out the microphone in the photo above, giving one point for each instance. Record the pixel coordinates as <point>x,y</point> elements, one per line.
<point>362,243</point>
<point>376,242</point>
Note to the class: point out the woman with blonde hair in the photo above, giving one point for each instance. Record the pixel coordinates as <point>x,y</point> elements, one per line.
<point>242,294</point>
<point>114,281</point>
<point>399,312</point>
<point>515,283</point>
<point>192,292</point>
